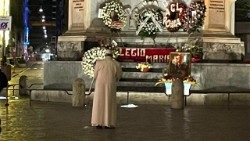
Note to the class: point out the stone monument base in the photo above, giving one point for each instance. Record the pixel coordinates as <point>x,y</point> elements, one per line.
<point>220,47</point>
<point>223,48</point>
<point>70,48</point>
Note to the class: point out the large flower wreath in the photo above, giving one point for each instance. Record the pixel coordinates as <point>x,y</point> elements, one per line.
<point>90,57</point>
<point>196,16</point>
<point>175,16</point>
<point>114,15</point>
<point>150,21</point>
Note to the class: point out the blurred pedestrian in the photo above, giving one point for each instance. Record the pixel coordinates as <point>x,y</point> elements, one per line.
<point>3,80</point>
<point>107,73</point>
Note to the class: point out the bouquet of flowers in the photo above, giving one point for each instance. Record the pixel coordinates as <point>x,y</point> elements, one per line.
<point>169,79</point>
<point>143,66</point>
<point>190,80</point>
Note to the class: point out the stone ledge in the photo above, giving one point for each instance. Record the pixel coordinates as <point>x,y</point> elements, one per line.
<point>51,95</point>
<point>147,98</point>
<point>225,40</point>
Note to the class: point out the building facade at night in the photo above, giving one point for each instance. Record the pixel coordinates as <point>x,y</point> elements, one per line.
<point>4,33</point>
<point>15,38</point>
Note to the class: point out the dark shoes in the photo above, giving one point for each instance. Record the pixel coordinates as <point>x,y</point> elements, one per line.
<point>98,127</point>
<point>109,127</point>
<point>105,127</point>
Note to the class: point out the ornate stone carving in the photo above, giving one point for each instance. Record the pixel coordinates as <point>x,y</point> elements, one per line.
<point>223,51</point>
<point>69,50</point>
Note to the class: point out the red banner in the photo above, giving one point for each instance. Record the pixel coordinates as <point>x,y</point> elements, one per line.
<point>152,55</point>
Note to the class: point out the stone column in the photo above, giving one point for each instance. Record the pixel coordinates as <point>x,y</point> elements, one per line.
<point>232,14</point>
<point>81,13</point>
<point>78,96</point>
<point>70,45</point>
<point>177,96</point>
<point>76,15</point>
<point>220,16</point>
<point>220,44</point>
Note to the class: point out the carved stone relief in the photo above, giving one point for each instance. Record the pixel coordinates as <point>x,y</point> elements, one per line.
<point>222,51</point>
<point>69,50</point>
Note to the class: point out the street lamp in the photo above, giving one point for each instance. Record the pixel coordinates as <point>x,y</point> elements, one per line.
<point>41,9</point>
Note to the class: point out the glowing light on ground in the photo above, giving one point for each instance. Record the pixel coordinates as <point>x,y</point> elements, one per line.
<point>129,106</point>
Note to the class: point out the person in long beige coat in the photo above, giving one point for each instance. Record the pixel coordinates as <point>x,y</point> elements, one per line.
<point>107,73</point>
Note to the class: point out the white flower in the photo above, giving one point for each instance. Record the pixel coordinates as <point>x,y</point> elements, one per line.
<point>118,9</point>
<point>90,57</point>
<point>149,27</point>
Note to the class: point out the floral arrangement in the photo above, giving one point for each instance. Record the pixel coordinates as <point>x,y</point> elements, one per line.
<point>196,16</point>
<point>194,47</point>
<point>189,18</point>
<point>150,21</point>
<point>89,59</point>
<point>143,66</point>
<point>175,16</point>
<point>114,15</point>
<point>96,53</point>
<point>169,79</point>
<point>178,16</point>
<point>189,80</point>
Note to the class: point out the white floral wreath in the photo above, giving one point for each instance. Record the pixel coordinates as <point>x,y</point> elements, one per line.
<point>150,21</point>
<point>90,57</point>
<point>174,20</point>
<point>114,15</point>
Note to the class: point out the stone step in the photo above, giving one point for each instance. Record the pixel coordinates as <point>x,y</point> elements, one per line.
<point>155,70</point>
<point>134,64</point>
<point>141,89</point>
<point>137,84</point>
<point>140,75</point>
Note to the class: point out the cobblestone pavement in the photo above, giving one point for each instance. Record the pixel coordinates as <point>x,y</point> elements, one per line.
<point>50,121</point>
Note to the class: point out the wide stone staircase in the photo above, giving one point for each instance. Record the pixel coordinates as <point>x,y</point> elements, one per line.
<point>135,80</point>
<point>59,77</point>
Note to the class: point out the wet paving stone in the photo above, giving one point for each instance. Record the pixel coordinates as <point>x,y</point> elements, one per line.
<point>50,121</point>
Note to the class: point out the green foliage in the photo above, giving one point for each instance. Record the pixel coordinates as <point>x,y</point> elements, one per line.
<point>193,46</point>
<point>195,50</point>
